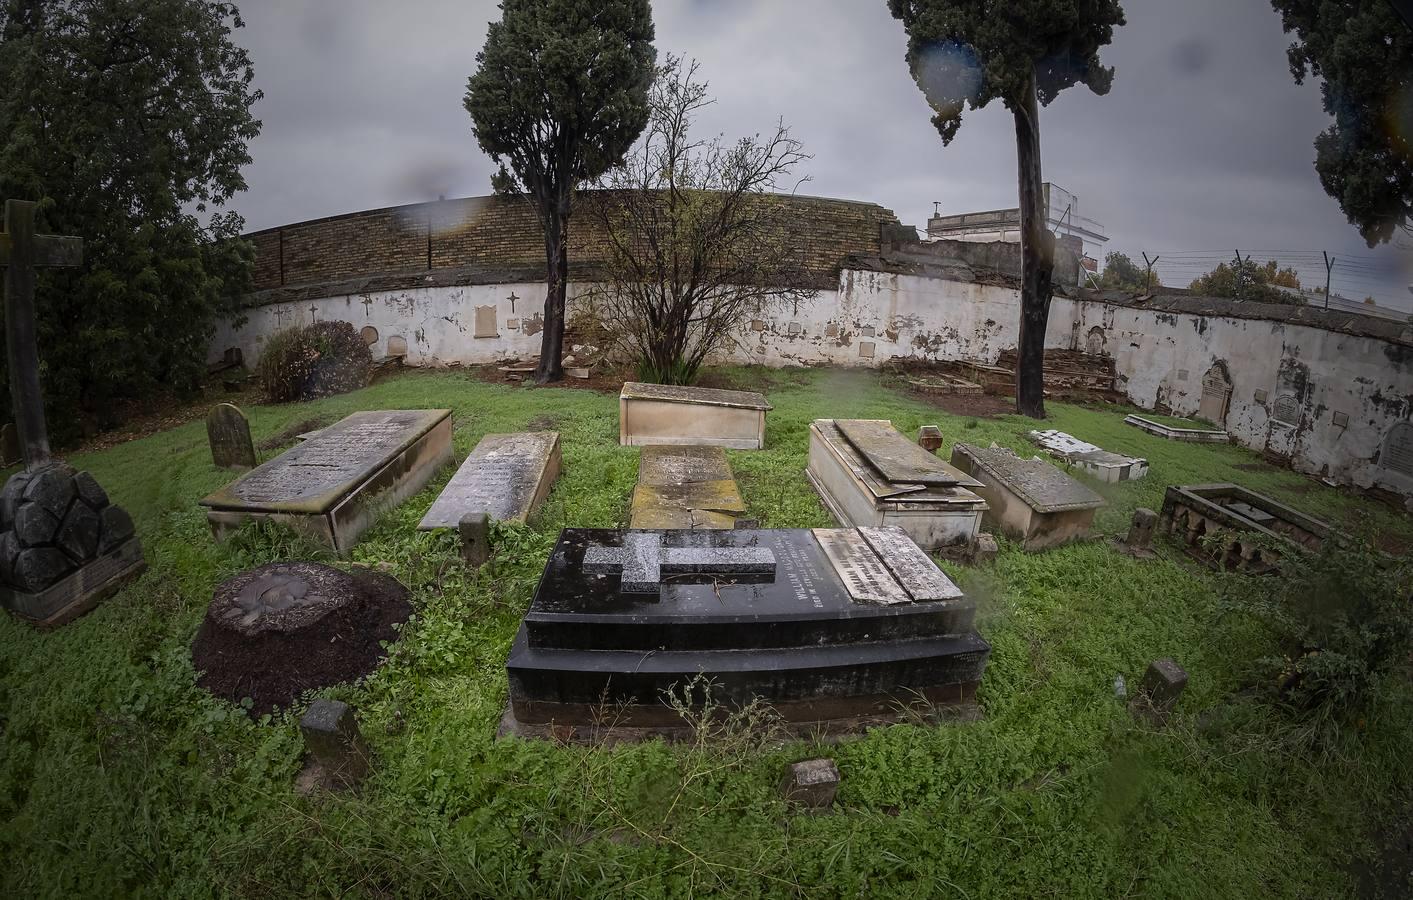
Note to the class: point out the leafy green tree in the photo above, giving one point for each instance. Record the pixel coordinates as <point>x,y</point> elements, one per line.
<point>965,53</point>
<point>127,120</point>
<point>559,95</point>
<point>1120,273</point>
<point>1364,54</point>
<point>1247,280</point>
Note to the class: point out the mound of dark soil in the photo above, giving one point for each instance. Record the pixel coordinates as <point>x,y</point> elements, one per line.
<point>276,631</point>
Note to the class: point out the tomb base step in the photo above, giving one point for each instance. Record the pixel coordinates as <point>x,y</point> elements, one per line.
<point>820,674</point>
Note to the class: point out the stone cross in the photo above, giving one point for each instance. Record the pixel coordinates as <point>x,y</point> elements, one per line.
<point>21,252</point>
<point>642,560</point>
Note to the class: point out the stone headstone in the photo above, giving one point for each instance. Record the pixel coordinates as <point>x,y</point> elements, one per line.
<point>335,744</point>
<point>507,477</point>
<point>929,438</point>
<point>812,783</point>
<point>228,432</point>
<point>332,486</point>
<point>1140,531</point>
<point>1029,498</point>
<point>9,444</point>
<point>619,617</point>
<point>475,534</point>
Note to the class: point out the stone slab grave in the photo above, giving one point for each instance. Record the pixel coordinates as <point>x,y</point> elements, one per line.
<point>1193,514</point>
<point>1179,433</point>
<point>835,629</point>
<point>672,414</point>
<point>506,477</point>
<point>868,473</point>
<point>1096,462</point>
<point>332,486</point>
<point>685,487</point>
<point>64,547</point>
<point>1029,499</point>
<point>228,433</point>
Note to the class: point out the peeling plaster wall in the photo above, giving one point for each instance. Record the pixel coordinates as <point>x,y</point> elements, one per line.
<point>1344,393</point>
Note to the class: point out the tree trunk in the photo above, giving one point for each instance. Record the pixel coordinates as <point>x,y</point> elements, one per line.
<point>551,365</point>
<point>1037,260</point>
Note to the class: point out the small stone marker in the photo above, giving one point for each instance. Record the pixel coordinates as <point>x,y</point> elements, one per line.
<point>228,432</point>
<point>812,783</point>
<point>507,477</point>
<point>1140,533</point>
<point>9,445</point>
<point>475,529</point>
<point>986,549</point>
<point>1162,685</point>
<point>337,747</point>
<point>929,438</point>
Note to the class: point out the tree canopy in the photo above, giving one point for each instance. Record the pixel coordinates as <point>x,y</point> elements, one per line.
<point>968,54</point>
<point>1246,279</point>
<point>127,120</point>
<point>559,95</point>
<point>1363,52</point>
<point>1122,274</point>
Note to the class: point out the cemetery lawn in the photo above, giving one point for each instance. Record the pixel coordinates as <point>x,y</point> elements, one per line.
<point>119,776</point>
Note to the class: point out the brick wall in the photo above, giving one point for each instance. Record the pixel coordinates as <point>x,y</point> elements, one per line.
<point>495,231</point>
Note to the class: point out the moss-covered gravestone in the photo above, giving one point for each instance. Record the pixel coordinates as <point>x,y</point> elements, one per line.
<point>228,432</point>
<point>273,632</point>
<point>63,546</point>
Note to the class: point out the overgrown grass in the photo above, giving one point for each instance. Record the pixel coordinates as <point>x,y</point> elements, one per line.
<point>117,775</point>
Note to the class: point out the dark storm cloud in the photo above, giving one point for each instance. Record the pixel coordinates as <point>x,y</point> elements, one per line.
<point>1203,143</point>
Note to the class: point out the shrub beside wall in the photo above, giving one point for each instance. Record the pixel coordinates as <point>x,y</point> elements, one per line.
<point>314,361</point>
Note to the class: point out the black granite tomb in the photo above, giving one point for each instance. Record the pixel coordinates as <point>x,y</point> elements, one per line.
<point>620,618</point>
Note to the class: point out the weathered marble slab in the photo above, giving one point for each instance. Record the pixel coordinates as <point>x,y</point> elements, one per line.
<point>332,485</point>
<point>913,569</point>
<point>1097,462</point>
<point>506,477</point>
<point>1176,433</point>
<point>685,487</point>
<point>896,458</point>
<point>667,414</point>
<point>865,576</point>
<point>933,516</point>
<point>1029,499</point>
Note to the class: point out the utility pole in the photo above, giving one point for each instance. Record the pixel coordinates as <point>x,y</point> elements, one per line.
<point>1329,269</point>
<point>1240,276</point>
<point>1148,279</point>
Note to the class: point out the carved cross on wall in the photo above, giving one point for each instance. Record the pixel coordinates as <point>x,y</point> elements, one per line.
<point>642,561</point>
<point>21,252</point>
<point>512,298</point>
<point>313,314</point>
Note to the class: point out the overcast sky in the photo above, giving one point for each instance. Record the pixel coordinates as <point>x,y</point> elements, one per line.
<point>1204,143</point>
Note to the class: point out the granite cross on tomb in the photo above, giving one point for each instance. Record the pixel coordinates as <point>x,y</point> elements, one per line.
<point>21,252</point>
<point>642,561</point>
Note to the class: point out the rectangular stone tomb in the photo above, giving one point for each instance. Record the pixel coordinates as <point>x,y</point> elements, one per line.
<point>685,487</point>
<point>942,383</point>
<point>332,486</point>
<point>1093,461</point>
<point>1178,432</point>
<point>830,627</point>
<point>671,414</point>
<point>1029,499</point>
<point>934,503</point>
<point>1217,521</point>
<point>507,477</point>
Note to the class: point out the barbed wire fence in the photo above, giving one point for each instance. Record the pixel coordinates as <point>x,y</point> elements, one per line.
<point>1352,278</point>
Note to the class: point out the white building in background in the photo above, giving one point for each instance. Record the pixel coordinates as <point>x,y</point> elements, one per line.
<point>1074,233</point>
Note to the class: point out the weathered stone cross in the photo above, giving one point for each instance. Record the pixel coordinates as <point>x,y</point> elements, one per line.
<point>642,560</point>
<point>21,252</point>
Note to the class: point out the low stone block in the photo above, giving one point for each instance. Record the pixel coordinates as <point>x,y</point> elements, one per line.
<point>1029,499</point>
<point>812,783</point>
<point>929,438</point>
<point>986,549</point>
<point>331,733</point>
<point>1161,687</point>
<point>670,414</point>
<point>1140,533</point>
<point>475,532</point>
